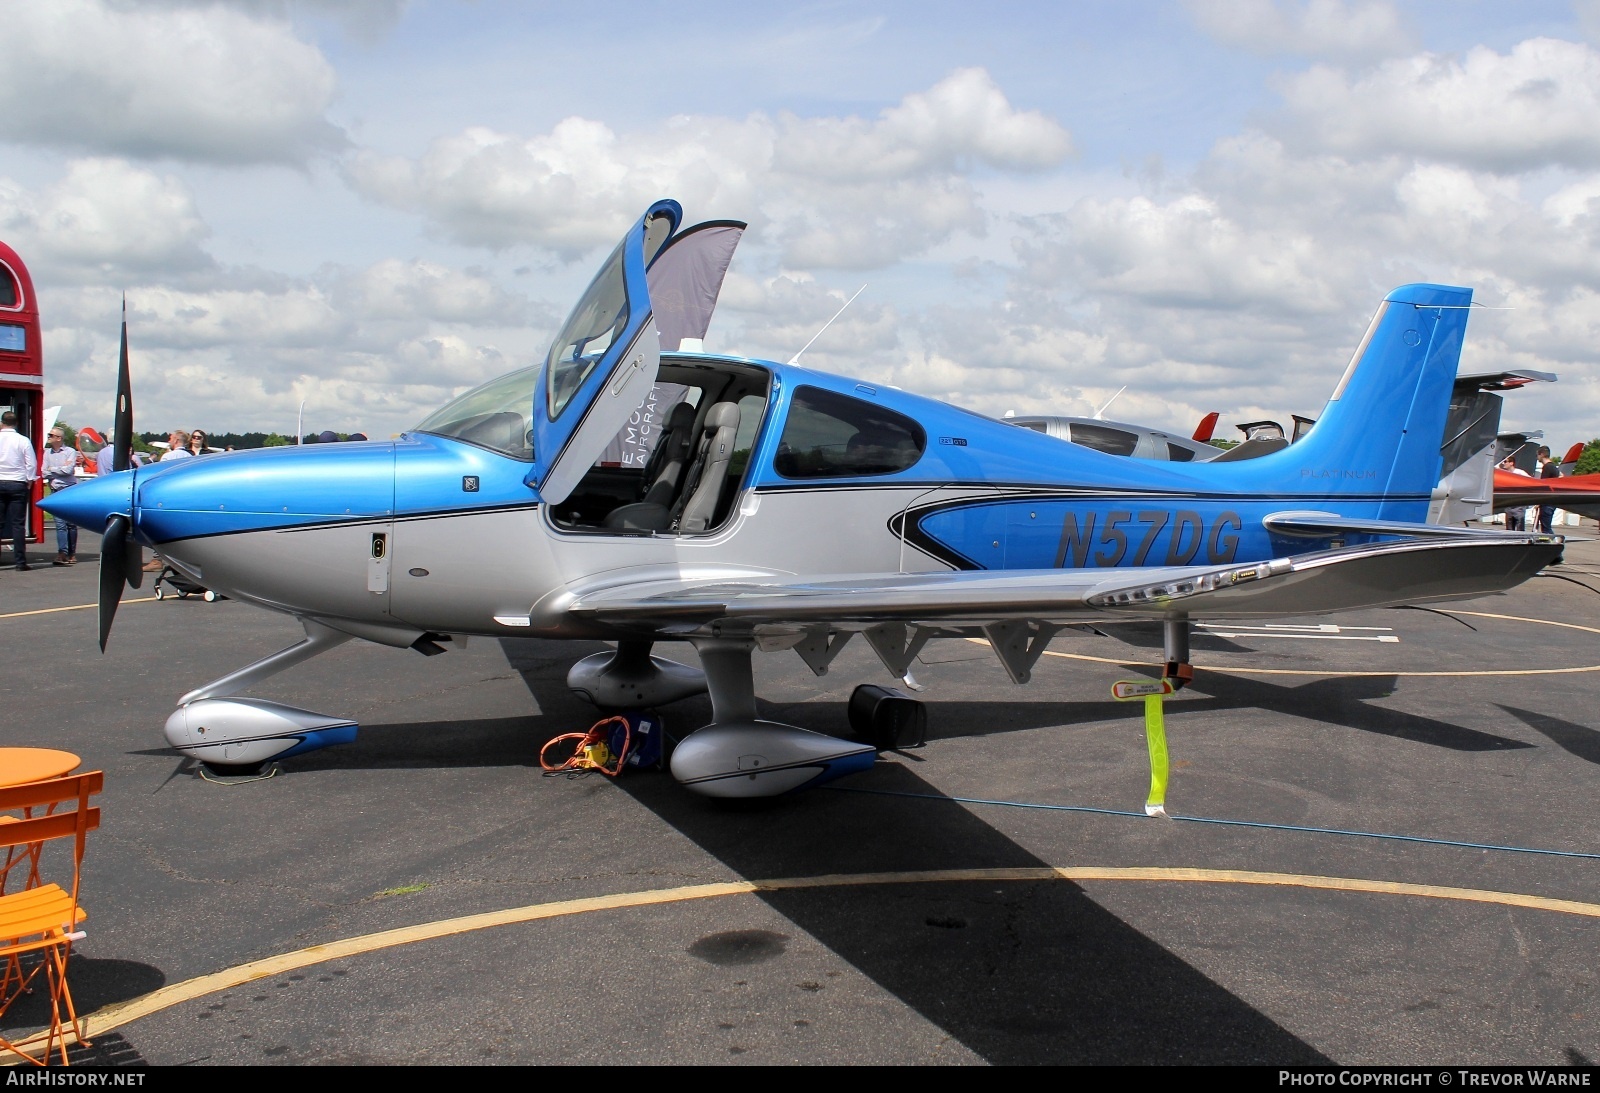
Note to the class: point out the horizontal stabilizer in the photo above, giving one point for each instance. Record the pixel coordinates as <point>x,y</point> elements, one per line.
<point>1322,525</point>
<point>1502,381</point>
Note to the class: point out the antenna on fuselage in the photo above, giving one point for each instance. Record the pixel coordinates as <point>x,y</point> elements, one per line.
<point>300,424</point>
<point>796,358</point>
<point>1101,413</point>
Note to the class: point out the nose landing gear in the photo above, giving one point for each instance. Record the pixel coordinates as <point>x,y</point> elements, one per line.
<point>234,736</point>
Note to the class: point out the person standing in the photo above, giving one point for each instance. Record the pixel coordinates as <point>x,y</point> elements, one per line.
<point>60,472</point>
<point>1516,518</point>
<point>1548,468</point>
<point>18,472</point>
<point>177,446</point>
<point>197,443</point>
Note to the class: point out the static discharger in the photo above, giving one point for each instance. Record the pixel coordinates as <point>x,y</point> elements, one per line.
<point>1154,693</point>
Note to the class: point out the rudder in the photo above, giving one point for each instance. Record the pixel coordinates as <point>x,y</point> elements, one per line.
<point>1380,431</point>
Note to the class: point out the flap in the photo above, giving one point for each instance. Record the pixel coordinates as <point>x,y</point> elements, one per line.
<point>1371,575</point>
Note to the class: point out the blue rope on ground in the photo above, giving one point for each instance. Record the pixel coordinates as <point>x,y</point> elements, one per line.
<point>1223,823</point>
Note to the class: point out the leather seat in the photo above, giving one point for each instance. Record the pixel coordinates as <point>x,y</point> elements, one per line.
<point>703,489</point>
<point>653,512</point>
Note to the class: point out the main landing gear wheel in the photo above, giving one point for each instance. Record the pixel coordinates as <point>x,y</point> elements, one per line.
<point>235,770</point>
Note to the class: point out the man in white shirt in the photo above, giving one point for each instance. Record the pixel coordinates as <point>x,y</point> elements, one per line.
<point>177,446</point>
<point>18,472</point>
<point>60,472</point>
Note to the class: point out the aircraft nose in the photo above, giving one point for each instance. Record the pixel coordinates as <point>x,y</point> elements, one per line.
<point>90,503</point>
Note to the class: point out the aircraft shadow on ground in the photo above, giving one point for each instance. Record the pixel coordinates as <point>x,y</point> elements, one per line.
<point>1579,740</point>
<point>1343,701</point>
<point>1022,973</point>
<point>1019,973</point>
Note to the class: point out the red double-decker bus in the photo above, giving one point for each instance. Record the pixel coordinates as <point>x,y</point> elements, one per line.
<point>22,364</point>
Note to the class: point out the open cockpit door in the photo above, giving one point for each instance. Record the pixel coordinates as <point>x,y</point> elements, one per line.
<point>602,363</point>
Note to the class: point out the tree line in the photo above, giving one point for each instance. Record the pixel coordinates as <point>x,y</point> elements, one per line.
<point>144,442</point>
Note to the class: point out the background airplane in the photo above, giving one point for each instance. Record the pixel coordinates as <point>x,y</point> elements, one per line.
<point>1119,438</point>
<point>780,509</point>
<point>1471,484</point>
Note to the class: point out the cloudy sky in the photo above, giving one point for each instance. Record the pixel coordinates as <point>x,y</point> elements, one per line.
<point>373,204</point>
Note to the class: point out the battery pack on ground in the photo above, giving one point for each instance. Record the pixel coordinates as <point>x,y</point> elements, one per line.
<point>887,718</point>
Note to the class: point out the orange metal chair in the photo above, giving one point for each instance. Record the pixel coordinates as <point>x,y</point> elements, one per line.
<point>39,923</point>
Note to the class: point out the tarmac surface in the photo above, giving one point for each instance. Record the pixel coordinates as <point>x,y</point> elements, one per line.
<point>1477,729</point>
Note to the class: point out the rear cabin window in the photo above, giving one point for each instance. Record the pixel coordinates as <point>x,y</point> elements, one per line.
<point>8,288</point>
<point>1102,439</point>
<point>828,435</point>
<point>1177,454</point>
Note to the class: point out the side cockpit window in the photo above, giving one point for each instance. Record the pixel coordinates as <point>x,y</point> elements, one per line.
<point>1104,439</point>
<point>494,416</point>
<point>828,435</point>
<point>10,297</point>
<point>594,325</point>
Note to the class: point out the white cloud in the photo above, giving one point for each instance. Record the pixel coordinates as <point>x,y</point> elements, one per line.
<point>396,289</point>
<point>1185,252</point>
<point>301,317</point>
<point>775,317</point>
<point>1243,287</point>
<point>364,19</point>
<point>964,119</point>
<point>1532,107</point>
<point>206,83</point>
<point>1316,28</point>
<point>375,348</point>
<point>837,192</point>
<point>1568,205</point>
<point>106,219</point>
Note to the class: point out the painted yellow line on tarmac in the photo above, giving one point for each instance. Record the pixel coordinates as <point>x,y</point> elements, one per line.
<point>74,607</point>
<point>122,1013</point>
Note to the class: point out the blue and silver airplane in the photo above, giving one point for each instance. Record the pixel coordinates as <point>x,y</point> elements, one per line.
<point>631,489</point>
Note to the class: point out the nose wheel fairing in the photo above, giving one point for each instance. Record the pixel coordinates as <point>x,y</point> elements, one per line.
<point>238,732</point>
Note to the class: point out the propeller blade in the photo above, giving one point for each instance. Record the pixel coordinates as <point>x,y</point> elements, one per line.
<point>113,570</point>
<point>133,563</point>
<point>122,423</point>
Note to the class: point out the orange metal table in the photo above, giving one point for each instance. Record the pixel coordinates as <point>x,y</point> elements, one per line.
<point>22,765</point>
<point>19,766</point>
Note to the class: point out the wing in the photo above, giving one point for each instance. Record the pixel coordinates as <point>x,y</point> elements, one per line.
<point>1576,493</point>
<point>901,612</point>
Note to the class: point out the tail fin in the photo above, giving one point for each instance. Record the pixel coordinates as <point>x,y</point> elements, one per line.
<point>1207,426</point>
<point>1381,430</point>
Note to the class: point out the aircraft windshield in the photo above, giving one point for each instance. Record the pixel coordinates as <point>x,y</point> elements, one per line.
<point>493,416</point>
<point>594,324</point>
